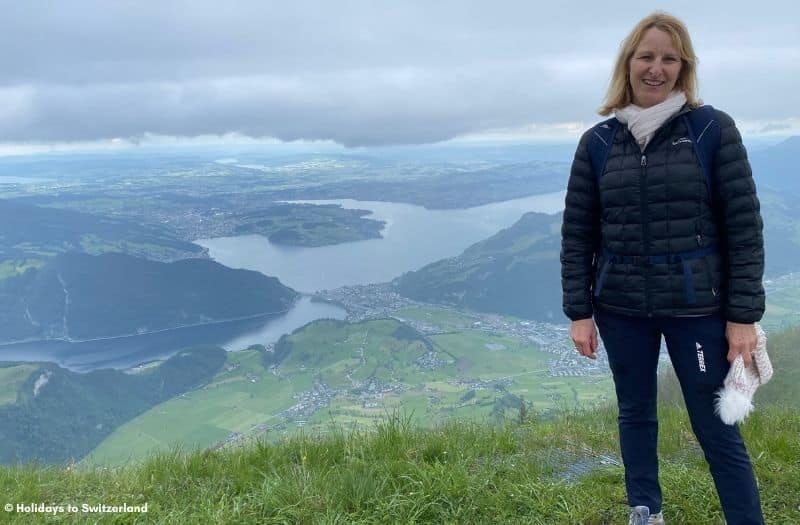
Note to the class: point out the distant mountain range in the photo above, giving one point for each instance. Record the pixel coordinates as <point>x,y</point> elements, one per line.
<point>516,272</point>
<point>78,296</point>
<point>776,167</point>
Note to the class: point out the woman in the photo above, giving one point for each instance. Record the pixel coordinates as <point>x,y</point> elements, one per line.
<point>651,245</point>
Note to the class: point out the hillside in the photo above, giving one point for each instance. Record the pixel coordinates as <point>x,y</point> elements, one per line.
<point>38,232</point>
<point>78,296</point>
<point>775,167</point>
<point>531,470</point>
<point>54,415</point>
<point>781,214</point>
<point>514,272</point>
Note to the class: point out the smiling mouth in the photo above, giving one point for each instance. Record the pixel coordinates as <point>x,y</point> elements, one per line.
<point>653,83</point>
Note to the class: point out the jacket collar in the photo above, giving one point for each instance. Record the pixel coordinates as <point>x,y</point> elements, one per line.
<point>681,112</point>
<point>684,110</point>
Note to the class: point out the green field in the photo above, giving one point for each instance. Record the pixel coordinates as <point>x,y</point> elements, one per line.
<point>446,319</point>
<point>352,375</point>
<point>11,379</point>
<point>783,303</point>
<point>239,397</point>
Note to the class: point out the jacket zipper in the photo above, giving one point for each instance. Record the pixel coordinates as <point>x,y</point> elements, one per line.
<point>709,273</point>
<point>645,208</point>
<point>645,234</point>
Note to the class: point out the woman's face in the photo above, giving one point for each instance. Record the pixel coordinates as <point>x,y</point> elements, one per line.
<point>654,68</point>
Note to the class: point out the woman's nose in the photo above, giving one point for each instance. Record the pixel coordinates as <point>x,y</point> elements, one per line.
<point>656,66</point>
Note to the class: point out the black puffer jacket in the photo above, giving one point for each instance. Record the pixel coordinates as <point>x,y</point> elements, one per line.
<point>648,209</point>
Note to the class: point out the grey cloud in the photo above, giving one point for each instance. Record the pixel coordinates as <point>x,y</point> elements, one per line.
<point>354,108</point>
<point>359,73</point>
<point>775,127</point>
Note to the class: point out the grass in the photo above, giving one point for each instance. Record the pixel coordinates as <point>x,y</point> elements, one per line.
<point>457,472</point>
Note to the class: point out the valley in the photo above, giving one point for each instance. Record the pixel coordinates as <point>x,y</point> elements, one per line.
<point>345,375</point>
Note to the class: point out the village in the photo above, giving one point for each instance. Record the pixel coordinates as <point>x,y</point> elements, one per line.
<point>380,301</point>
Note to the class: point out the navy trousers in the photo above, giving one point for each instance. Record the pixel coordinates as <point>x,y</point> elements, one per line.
<point>697,348</point>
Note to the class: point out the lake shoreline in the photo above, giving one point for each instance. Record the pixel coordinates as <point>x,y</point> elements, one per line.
<point>151,332</point>
<point>132,350</point>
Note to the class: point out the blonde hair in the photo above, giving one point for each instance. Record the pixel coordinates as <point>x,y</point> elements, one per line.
<point>619,91</point>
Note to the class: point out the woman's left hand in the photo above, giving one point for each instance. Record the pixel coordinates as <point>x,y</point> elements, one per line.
<point>742,340</point>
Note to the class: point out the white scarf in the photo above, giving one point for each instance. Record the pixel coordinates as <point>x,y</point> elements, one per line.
<point>643,122</point>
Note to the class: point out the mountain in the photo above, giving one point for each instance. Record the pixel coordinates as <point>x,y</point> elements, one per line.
<point>516,272</point>
<point>781,214</point>
<point>776,167</point>
<point>79,296</point>
<point>58,415</point>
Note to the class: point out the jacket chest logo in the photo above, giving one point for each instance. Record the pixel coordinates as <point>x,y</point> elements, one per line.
<point>682,140</point>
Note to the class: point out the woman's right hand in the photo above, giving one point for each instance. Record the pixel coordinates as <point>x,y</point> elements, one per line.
<point>584,335</point>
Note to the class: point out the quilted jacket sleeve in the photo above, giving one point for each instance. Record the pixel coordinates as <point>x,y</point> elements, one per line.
<point>741,226</point>
<point>580,235</point>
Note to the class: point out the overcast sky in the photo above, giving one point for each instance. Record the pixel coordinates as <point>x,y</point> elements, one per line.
<point>364,73</point>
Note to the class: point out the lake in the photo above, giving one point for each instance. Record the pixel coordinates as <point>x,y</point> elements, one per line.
<point>124,352</point>
<point>413,237</point>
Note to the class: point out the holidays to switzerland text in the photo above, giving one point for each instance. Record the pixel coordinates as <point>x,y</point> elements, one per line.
<point>100,508</point>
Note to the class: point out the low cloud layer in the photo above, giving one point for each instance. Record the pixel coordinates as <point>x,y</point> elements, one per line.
<point>359,73</point>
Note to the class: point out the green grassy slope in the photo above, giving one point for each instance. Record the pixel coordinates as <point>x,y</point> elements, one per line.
<point>538,471</point>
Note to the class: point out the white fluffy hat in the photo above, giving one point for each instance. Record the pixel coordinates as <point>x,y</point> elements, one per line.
<point>735,399</point>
